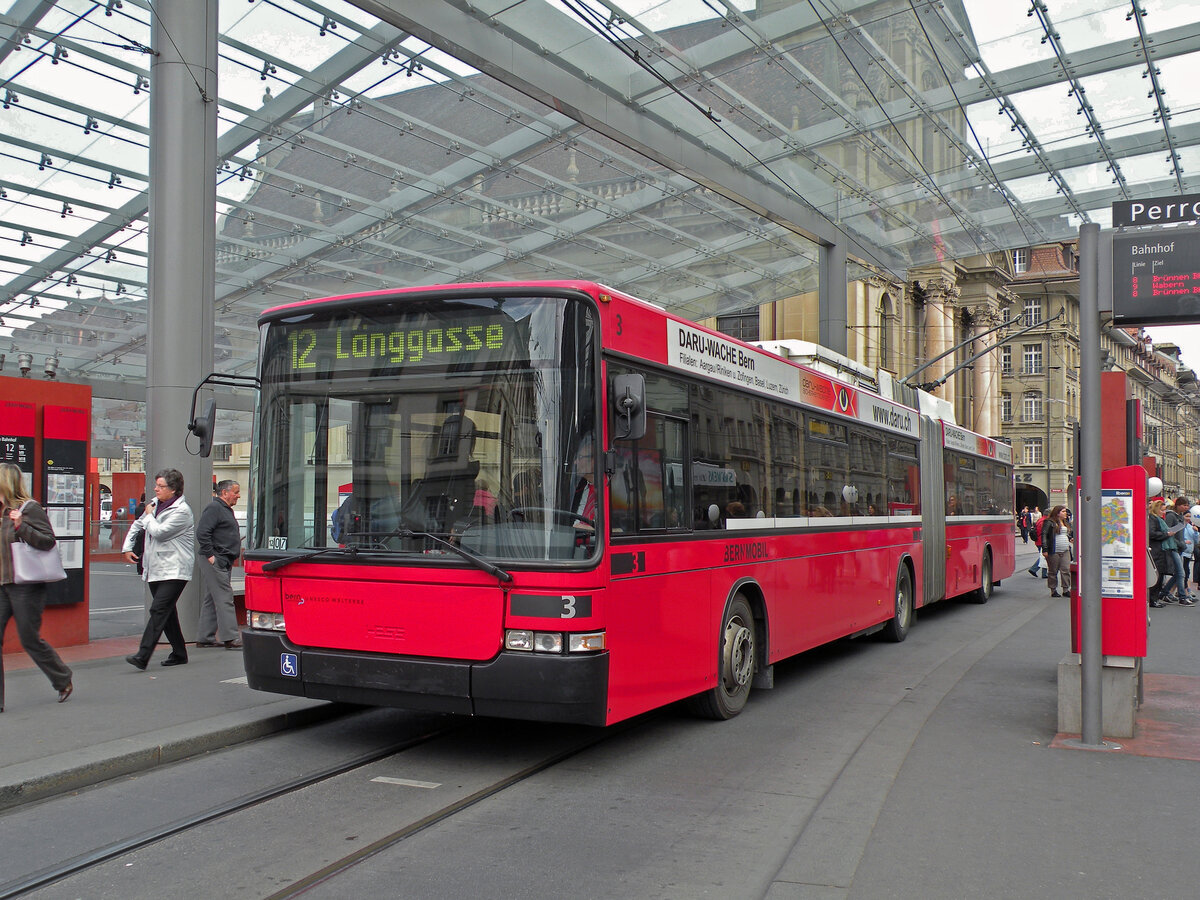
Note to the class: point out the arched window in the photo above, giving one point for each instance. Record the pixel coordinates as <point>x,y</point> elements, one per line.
<point>887,323</point>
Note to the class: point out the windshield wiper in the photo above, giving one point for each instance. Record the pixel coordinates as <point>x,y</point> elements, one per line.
<point>303,557</point>
<point>478,561</point>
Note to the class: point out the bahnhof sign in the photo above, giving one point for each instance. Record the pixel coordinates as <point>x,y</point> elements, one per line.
<point>1156,271</point>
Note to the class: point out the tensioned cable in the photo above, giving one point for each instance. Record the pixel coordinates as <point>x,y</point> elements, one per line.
<point>604,32</point>
<point>968,227</point>
<point>995,179</point>
<point>867,133</point>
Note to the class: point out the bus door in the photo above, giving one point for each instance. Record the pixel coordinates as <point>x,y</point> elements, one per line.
<point>660,591</point>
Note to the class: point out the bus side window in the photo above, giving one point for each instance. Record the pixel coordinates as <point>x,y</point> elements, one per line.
<point>647,491</point>
<point>622,489</point>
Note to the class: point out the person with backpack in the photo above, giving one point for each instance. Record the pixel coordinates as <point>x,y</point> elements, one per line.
<point>1038,569</point>
<point>1023,523</point>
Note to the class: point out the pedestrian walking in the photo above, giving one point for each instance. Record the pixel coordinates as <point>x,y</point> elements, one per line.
<point>220,542</point>
<point>1174,517</point>
<point>23,520</point>
<point>1189,535</point>
<point>167,562</point>
<point>1038,569</point>
<point>1024,521</point>
<point>1195,514</point>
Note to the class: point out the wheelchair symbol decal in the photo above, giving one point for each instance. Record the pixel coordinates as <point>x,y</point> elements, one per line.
<point>289,665</point>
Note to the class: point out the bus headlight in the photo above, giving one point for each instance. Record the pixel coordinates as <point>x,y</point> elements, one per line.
<point>265,621</point>
<point>553,641</point>
<point>518,640</point>
<point>547,642</point>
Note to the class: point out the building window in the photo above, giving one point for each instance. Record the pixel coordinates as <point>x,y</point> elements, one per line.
<point>1020,260</point>
<point>1005,406</point>
<point>1032,359</point>
<point>1032,411</point>
<point>886,320</point>
<point>1006,360</point>
<point>1033,310</point>
<point>1033,451</point>
<point>741,325</point>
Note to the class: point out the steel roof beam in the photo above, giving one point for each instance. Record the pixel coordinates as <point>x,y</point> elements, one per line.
<point>20,20</point>
<point>1012,82</point>
<point>531,48</point>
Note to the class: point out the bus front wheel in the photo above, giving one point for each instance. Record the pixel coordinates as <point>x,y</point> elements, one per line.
<point>737,664</point>
<point>897,627</point>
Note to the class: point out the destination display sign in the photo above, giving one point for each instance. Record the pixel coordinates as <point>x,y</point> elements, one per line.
<point>1156,277</point>
<point>391,341</point>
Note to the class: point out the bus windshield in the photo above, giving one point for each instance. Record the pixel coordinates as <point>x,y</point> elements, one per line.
<point>399,423</point>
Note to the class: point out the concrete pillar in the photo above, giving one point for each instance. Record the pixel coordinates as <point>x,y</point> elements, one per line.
<point>182,205</point>
<point>986,386</point>
<point>832,298</point>
<point>940,297</point>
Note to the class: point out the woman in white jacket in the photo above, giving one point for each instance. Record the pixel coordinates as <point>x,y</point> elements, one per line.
<point>167,563</point>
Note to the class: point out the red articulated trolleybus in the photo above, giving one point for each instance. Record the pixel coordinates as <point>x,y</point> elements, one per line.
<point>554,501</point>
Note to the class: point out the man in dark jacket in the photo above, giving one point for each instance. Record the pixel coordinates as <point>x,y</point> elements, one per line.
<point>220,542</point>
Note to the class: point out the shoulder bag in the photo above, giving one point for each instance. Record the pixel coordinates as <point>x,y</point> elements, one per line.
<point>33,566</point>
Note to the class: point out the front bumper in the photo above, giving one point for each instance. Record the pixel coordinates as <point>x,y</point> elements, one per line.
<point>514,685</point>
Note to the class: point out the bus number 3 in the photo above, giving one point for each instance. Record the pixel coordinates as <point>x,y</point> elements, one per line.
<point>568,611</point>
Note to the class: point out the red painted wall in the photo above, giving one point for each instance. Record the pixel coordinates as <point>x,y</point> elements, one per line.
<point>1114,391</point>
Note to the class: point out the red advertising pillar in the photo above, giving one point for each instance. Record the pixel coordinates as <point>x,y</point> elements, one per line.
<point>45,430</point>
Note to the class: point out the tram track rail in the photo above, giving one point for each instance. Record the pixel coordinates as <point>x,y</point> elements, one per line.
<point>349,861</point>
<point>83,862</point>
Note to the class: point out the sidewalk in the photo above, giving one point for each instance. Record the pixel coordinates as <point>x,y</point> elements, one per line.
<point>120,721</point>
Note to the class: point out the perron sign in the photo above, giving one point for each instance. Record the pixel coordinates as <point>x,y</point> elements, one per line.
<point>1156,211</point>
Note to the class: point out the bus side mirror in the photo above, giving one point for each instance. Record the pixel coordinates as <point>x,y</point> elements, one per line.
<point>203,427</point>
<point>629,407</point>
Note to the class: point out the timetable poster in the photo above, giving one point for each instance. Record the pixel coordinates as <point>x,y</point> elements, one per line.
<point>18,427</point>
<point>1116,543</point>
<point>64,471</point>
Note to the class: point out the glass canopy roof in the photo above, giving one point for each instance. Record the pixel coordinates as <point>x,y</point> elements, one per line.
<point>692,152</point>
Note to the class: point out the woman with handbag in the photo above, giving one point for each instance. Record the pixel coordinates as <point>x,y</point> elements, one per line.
<point>23,521</point>
<point>168,560</point>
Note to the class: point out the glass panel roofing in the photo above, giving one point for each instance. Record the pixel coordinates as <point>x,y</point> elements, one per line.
<point>692,152</point>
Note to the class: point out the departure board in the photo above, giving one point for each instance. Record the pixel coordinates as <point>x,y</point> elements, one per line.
<point>1156,277</point>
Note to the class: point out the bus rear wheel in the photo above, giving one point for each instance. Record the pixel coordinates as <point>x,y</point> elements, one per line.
<point>737,663</point>
<point>897,627</point>
<point>983,593</point>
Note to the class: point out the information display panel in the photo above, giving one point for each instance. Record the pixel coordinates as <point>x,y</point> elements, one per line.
<point>18,431</point>
<point>1156,277</point>
<point>64,459</point>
